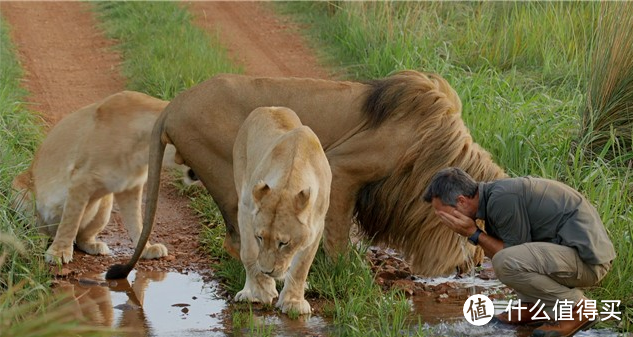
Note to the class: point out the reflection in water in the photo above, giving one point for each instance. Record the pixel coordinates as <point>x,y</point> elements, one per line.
<point>154,304</point>
<point>172,304</point>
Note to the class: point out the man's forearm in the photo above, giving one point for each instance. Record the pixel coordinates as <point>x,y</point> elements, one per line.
<point>489,244</point>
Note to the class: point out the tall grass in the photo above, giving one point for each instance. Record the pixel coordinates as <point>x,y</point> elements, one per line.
<point>609,104</point>
<point>19,135</point>
<point>27,307</point>
<point>163,52</point>
<point>360,307</point>
<point>546,39</point>
<point>520,69</point>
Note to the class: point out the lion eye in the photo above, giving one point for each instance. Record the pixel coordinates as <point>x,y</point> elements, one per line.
<point>259,238</point>
<point>282,244</point>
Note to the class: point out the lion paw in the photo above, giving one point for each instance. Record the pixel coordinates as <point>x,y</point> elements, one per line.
<point>55,255</point>
<point>255,295</point>
<point>301,306</point>
<point>94,248</point>
<point>154,251</point>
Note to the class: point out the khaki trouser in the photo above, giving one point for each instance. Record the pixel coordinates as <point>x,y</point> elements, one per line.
<point>546,271</point>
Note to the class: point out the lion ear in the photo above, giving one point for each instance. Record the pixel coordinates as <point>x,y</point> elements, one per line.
<point>260,190</point>
<point>301,204</point>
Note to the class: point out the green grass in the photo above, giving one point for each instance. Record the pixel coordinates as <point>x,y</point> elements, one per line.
<point>19,135</point>
<point>608,110</point>
<point>163,52</point>
<point>360,307</point>
<point>27,307</point>
<point>523,71</point>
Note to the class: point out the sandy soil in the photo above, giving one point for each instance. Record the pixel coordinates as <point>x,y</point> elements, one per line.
<point>69,63</point>
<point>263,43</point>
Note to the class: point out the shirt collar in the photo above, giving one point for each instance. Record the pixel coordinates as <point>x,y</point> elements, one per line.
<point>483,199</point>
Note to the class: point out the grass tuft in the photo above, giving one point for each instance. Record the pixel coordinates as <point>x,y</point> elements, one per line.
<point>163,52</point>
<point>609,104</point>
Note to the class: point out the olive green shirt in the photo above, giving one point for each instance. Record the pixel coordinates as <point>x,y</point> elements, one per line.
<point>520,210</point>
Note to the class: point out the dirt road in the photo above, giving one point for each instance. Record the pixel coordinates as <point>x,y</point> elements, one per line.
<point>263,43</point>
<point>69,63</point>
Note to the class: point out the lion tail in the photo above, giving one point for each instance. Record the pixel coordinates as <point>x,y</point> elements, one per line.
<point>157,146</point>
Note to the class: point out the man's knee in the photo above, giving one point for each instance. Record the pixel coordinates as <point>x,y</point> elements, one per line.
<point>505,264</point>
<point>501,264</point>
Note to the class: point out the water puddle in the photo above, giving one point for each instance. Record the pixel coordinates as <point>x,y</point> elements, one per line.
<point>150,303</point>
<point>443,315</point>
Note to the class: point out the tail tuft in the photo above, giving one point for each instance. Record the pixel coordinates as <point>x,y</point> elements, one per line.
<point>118,271</point>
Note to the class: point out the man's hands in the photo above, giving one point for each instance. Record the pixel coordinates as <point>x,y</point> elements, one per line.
<point>463,225</point>
<point>458,222</point>
<point>456,218</point>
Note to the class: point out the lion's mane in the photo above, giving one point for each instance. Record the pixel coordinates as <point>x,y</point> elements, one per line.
<point>391,210</point>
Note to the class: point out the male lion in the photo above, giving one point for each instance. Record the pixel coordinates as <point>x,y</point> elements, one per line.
<point>282,179</point>
<point>384,141</point>
<point>92,156</point>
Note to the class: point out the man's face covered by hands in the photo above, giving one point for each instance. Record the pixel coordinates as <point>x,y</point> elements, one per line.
<point>459,218</point>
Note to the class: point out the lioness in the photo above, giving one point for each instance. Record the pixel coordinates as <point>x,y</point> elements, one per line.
<point>91,157</point>
<point>384,140</point>
<point>282,178</point>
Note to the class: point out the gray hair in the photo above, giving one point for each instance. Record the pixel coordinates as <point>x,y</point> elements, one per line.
<point>450,183</point>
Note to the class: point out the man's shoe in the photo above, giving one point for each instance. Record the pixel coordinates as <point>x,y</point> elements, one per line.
<point>565,328</point>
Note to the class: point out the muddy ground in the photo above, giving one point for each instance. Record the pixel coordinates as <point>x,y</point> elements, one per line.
<point>69,63</point>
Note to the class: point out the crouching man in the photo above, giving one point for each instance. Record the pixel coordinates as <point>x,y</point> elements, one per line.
<point>544,238</point>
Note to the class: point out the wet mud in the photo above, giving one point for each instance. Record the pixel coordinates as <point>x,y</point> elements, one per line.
<point>157,303</point>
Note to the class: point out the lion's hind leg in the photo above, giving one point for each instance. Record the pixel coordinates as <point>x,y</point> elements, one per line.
<point>130,204</point>
<point>87,235</point>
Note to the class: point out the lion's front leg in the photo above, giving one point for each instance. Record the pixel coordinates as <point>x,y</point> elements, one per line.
<point>292,297</point>
<point>74,208</point>
<point>338,220</point>
<point>258,287</point>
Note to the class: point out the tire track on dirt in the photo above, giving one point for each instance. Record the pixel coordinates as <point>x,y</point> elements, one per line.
<point>265,44</point>
<point>68,64</point>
